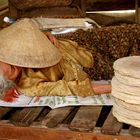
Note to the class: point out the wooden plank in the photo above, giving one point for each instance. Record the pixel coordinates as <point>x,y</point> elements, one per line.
<point>55,117</point>
<point>31,133</point>
<point>13,12</point>
<point>137,12</point>
<point>4,111</point>
<point>70,117</point>
<point>38,121</point>
<point>5,123</point>
<point>134,131</point>
<point>4,6</point>
<point>43,114</point>
<point>5,11</point>
<point>138,18</point>
<point>26,116</point>
<point>111,126</point>
<point>85,119</point>
<point>103,115</point>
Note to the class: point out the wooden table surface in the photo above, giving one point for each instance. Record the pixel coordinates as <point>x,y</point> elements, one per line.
<point>66,123</point>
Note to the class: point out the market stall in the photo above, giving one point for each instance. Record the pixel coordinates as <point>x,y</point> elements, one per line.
<point>74,117</point>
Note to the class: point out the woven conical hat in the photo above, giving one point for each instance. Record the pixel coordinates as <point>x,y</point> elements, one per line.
<point>129,66</point>
<point>23,44</point>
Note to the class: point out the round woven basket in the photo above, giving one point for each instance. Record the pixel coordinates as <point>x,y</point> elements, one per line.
<point>28,4</point>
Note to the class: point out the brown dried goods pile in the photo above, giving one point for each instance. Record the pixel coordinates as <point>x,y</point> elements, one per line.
<point>107,44</point>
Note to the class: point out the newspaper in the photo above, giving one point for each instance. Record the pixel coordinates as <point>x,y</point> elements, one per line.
<point>57,101</point>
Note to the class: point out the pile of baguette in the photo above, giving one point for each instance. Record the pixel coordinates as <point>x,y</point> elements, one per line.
<point>126,90</point>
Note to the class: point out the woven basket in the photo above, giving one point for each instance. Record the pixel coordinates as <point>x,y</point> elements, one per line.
<point>28,4</point>
<point>46,8</point>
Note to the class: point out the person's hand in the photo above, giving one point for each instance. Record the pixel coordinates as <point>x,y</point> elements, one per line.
<point>10,95</point>
<point>10,72</point>
<point>52,39</point>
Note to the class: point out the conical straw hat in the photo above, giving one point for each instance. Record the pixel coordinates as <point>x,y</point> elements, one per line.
<point>129,66</point>
<point>23,44</point>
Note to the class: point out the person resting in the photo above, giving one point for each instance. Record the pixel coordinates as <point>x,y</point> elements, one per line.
<point>31,65</point>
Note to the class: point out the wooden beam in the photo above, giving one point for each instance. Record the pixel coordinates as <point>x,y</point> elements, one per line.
<point>28,133</point>
<point>4,6</point>
<point>137,11</point>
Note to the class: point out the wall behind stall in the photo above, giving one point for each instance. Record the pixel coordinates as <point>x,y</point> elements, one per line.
<point>3,10</point>
<point>110,12</point>
<point>92,8</point>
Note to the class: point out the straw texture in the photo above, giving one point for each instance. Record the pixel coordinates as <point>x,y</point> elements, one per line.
<point>128,80</point>
<point>120,87</point>
<point>132,107</point>
<point>125,117</point>
<point>129,98</point>
<point>23,44</point>
<point>126,90</point>
<point>129,66</point>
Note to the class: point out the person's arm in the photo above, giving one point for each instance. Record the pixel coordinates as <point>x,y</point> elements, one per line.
<point>101,88</point>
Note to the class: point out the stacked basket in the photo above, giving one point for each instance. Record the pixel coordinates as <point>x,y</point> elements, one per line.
<point>126,90</point>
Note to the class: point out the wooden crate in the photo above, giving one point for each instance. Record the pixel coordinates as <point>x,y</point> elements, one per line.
<point>46,8</point>
<point>4,11</point>
<point>66,123</point>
